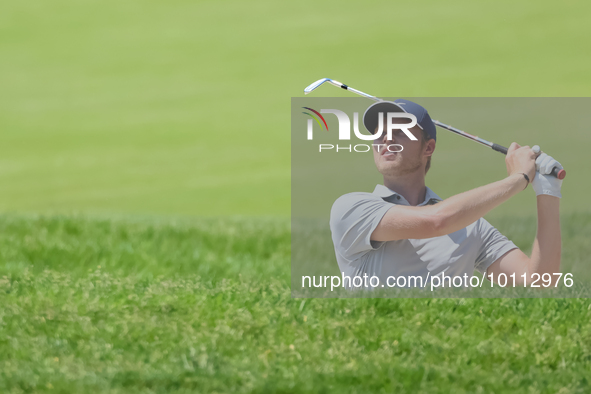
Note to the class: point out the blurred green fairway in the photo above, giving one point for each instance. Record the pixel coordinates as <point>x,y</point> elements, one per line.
<point>182,107</point>
<point>133,136</point>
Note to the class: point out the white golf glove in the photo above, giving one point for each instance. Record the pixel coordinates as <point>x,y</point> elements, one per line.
<point>544,183</point>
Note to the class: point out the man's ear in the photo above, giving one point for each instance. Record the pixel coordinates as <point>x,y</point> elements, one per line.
<point>430,147</point>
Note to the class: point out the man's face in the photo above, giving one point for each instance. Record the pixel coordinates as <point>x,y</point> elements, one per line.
<point>412,158</point>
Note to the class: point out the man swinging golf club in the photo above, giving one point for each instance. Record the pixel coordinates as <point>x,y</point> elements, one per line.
<point>404,229</point>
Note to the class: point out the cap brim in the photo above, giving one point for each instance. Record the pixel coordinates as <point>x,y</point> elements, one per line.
<point>370,117</point>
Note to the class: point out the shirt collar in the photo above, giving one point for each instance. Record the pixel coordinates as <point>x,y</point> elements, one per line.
<point>395,198</point>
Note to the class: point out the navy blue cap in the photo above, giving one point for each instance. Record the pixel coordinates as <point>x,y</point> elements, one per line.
<point>370,117</point>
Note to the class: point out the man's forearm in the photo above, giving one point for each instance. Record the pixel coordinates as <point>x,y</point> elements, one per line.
<point>545,256</point>
<point>465,208</point>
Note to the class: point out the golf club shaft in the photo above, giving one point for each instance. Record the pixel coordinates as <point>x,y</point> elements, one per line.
<point>359,92</point>
<point>557,172</point>
<point>499,148</point>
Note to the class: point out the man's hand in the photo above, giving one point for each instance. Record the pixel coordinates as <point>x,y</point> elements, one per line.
<point>520,160</point>
<point>545,256</point>
<point>543,183</point>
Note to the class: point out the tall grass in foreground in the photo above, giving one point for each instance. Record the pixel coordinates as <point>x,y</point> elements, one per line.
<point>92,305</point>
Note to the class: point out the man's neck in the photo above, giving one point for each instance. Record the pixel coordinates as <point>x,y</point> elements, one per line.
<point>410,186</point>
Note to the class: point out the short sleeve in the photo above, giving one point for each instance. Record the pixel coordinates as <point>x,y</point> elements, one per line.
<point>353,218</point>
<point>493,245</point>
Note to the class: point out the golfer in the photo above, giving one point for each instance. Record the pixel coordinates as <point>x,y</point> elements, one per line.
<point>403,228</point>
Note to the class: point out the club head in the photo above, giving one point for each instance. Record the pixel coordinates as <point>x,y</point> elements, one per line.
<point>314,85</point>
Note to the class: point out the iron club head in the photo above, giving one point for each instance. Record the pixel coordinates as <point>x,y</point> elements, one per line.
<point>314,85</point>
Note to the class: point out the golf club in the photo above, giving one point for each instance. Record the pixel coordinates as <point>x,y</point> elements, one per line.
<point>557,172</point>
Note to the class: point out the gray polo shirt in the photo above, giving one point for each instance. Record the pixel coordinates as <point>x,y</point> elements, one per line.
<point>355,216</point>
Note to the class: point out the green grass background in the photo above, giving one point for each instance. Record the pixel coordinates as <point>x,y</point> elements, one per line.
<point>145,196</point>
<point>181,107</point>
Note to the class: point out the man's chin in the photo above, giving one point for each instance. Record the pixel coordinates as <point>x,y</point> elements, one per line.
<point>389,168</point>
<point>394,168</point>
